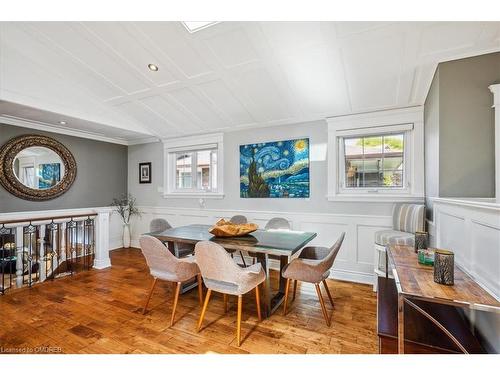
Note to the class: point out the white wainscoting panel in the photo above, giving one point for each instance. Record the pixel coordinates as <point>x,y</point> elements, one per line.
<point>472,232</point>
<point>115,231</point>
<point>354,262</point>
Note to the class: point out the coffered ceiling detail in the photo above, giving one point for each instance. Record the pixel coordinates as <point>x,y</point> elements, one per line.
<point>228,76</point>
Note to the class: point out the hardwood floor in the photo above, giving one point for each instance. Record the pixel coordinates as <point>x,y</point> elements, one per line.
<point>100,311</point>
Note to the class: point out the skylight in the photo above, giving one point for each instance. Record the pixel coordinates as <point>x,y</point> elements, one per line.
<point>193,26</point>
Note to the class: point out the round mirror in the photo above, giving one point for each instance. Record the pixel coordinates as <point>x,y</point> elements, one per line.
<point>36,167</point>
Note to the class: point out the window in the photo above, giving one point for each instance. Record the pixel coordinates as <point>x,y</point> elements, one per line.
<point>194,167</point>
<point>196,170</point>
<point>376,156</point>
<point>374,161</point>
<point>29,176</point>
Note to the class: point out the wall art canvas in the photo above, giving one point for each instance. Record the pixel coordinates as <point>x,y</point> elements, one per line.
<point>50,175</point>
<point>275,169</point>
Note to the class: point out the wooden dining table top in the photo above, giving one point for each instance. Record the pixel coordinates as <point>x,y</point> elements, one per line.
<point>271,242</point>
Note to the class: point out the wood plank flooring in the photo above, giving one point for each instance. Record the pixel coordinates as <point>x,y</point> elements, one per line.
<point>100,311</point>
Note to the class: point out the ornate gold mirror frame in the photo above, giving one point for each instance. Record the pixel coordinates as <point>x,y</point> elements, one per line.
<point>11,183</point>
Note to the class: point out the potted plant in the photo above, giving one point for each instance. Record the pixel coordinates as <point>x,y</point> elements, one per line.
<point>126,207</point>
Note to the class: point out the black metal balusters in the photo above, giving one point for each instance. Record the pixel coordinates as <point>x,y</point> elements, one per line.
<point>7,257</point>
<point>45,251</point>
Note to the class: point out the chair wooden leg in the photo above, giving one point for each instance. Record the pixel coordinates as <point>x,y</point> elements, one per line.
<point>257,301</point>
<point>328,292</point>
<point>176,298</point>
<point>200,289</point>
<point>238,321</point>
<point>149,295</point>
<point>204,309</point>
<point>294,289</point>
<point>287,288</point>
<point>225,303</point>
<point>322,302</point>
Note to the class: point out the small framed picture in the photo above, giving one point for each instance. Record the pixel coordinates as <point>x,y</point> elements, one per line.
<point>145,173</point>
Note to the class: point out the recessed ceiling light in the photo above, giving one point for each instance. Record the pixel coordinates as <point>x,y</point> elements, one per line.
<point>62,122</point>
<point>153,67</point>
<point>193,26</point>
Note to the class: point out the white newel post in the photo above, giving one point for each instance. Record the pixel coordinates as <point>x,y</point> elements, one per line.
<point>495,89</point>
<point>41,255</point>
<point>102,259</point>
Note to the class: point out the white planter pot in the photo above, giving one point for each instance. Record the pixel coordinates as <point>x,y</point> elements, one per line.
<point>126,236</point>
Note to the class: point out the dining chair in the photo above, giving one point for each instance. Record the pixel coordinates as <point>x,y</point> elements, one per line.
<point>278,223</point>
<point>239,219</point>
<point>312,266</point>
<point>161,225</point>
<point>221,274</point>
<point>163,265</point>
<point>274,223</point>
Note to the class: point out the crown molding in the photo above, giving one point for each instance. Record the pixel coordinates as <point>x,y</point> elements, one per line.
<point>43,126</point>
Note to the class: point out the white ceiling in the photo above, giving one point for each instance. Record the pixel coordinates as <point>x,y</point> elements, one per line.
<point>228,76</point>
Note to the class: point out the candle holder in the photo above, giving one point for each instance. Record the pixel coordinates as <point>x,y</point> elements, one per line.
<point>421,240</point>
<point>444,267</point>
<point>426,257</point>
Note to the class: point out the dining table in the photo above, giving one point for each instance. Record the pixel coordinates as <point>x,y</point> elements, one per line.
<point>265,245</point>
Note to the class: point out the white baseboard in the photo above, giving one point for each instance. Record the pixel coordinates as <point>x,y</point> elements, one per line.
<point>355,277</point>
<point>101,264</point>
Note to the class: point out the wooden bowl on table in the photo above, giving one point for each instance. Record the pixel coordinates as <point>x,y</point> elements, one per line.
<point>224,228</point>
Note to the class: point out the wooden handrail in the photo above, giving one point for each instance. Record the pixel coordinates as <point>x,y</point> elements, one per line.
<point>47,218</point>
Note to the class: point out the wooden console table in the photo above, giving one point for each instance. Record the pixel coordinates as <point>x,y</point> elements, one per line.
<point>416,289</point>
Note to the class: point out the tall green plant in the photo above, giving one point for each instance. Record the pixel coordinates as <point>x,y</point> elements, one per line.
<point>126,207</point>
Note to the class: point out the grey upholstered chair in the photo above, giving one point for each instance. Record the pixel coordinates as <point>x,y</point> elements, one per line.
<point>238,219</point>
<point>159,225</point>
<point>278,223</point>
<point>312,266</point>
<point>164,265</point>
<point>221,274</point>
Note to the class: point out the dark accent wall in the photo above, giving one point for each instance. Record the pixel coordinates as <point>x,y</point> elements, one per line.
<point>102,173</point>
<point>460,128</point>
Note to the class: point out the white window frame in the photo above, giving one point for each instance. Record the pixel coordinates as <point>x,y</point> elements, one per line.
<point>174,146</point>
<point>408,121</point>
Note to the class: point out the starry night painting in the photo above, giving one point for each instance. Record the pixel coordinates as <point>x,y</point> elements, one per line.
<point>275,169</point>
<point>50,175</point>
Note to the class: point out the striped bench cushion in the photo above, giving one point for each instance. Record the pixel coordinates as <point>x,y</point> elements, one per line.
<point>394,237</point>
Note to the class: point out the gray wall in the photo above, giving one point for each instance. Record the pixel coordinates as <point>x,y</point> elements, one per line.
<point>467,128</point>
<point>102,174</point>
<point>148,194</point>
<point>460,128</point>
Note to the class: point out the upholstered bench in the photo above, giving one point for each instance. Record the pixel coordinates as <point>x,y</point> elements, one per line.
<point>407,219</point>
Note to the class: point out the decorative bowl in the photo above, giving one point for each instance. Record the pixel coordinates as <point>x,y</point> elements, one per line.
<point>225,228</point>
